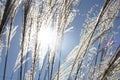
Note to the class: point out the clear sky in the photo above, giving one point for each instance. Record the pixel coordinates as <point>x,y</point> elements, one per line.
<point>71,39</point>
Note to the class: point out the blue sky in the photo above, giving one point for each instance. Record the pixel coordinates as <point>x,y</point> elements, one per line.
<point>71,39</point>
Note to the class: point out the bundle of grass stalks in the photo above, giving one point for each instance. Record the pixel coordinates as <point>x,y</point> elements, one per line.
<point>43,25</point>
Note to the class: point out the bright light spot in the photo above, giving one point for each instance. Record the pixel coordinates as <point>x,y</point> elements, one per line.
<point>47,37</point>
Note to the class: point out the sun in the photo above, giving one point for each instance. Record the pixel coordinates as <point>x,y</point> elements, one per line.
<point>47,37</point>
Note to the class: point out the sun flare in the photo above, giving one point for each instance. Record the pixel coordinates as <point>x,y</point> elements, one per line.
<point>47,37</point>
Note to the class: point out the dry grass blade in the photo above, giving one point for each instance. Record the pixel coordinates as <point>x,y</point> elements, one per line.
<point>9,36</point>
<point>7,47</point>
<point>5,15</point>
<point>26,10</point>
<point>117,55</point>
<point>10,8</point>
<point>96,25</point>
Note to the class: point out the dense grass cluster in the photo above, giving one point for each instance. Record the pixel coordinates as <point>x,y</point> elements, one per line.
<point>96,57</point>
